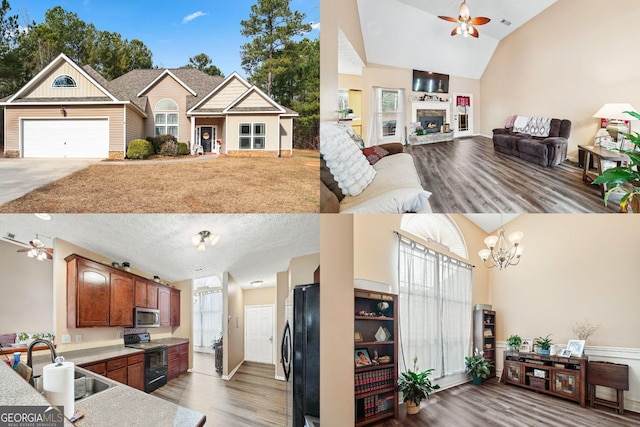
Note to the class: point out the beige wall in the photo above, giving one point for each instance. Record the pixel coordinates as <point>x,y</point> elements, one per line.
<point>260,296</point>
<point>301,269</point>
<point>348,81</point>
<point>336,312</point>
<point>84,87</point>
<point>168,88</point>
<point>91,337</point>
<point>546,69</point>
<point>286,135</point>
<point>26,292</point>
<point>232,325</point>
<point>113,112</point>
<point>226,95</point>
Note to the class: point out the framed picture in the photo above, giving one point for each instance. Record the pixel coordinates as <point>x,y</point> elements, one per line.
<point>525,348</point>
<point>576,347</point>
<point>565,353</point>
<point>362,357</point>
<point>358,336</point>
<point>529,342</point>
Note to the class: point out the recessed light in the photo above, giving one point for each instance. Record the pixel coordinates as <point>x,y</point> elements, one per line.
<point>256,283</point>
<point>43,216</point>
<point>197,270</point>
<point>505,22</point>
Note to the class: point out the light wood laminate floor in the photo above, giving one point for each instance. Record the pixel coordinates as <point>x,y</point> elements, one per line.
<point>495,404</point>
<point>467,176</point>
<point>251,398</point>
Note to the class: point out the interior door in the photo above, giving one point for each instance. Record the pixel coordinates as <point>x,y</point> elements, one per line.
<point>462,115</point>
<point>206,137</point>
<point>259,334</point>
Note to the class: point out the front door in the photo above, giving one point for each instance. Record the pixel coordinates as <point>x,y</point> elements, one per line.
<point>463,115</point>
<point>206,138</point>
<point>259,334</point>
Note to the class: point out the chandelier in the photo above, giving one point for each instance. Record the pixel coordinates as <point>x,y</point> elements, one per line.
<point>502,252</point>
<point>200,240</point>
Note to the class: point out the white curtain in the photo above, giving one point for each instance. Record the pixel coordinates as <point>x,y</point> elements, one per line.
<point>386,106</point>
<point>207,318</point>
<point>435,309</point>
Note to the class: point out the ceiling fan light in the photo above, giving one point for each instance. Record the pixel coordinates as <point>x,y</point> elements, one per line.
<point>471,29</point>
<point>484,254</point>
<point>213,239</point>
<point>465,34</point>
<point>195,240</point>
<point>458,30</point>
<point>41,256</point>
<point>491,241</point>
<point>32,253</point>
<point>202,246</point>
<point>464,11</point>
<point>516,237</point>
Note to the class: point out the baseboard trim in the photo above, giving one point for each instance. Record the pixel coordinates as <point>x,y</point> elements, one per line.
<point>228,377</point>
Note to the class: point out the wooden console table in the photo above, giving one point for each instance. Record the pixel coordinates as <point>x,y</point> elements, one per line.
<point>563,377</point>
<point>599,154</point>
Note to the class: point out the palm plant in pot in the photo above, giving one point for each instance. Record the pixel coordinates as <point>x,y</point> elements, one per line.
<point>544,344</point>
<point>477,366</point>
<point>625,178</point>
<point>415,386</point>
<point>514,342</point>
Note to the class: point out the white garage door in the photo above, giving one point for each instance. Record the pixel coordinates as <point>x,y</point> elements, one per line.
<point>66,138</point>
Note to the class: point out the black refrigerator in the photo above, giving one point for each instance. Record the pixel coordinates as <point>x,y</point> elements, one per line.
<point>305,354</point>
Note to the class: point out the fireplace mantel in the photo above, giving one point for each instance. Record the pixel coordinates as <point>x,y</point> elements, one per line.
<point>430,105</point>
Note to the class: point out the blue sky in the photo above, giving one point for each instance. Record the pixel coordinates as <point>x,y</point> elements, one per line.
<point>173,30</point>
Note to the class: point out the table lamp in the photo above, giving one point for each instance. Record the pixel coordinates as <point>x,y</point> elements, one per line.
<point>616,118</point>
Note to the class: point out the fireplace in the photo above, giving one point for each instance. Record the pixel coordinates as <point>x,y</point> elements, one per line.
<point>431,124</point>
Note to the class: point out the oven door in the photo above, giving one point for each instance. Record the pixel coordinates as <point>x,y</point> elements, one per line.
<point>155,368</point>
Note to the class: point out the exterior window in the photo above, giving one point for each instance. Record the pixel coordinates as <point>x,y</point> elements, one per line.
<point>253,136</point>
<point>166,118</point>
<point>389,112</point>
<point>64,81</point>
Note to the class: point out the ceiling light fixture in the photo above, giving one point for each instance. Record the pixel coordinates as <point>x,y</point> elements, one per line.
<point>200,239</point>
<point>465,22</point>
<point>502,252</point>
<point>38,250</point>
<point>256,283</point>
<point>43,216</point>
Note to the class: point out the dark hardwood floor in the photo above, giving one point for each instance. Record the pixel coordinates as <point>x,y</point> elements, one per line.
<point>467,176</point>
<point>251,398</point>
<point>495,404</point>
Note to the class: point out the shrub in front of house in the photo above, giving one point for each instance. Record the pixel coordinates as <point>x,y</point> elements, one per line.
<point>183,149</point>
<point>159,141</point>
<point>169,148</point>
<point>139,149</point>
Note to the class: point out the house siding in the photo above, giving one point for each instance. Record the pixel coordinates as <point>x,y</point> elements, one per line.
<point>226,95</point>
<point>112,112</point>
<point>286,136</point>
<point>272,138</point>
<point>168,88</point>
<point>135,125</point>
<point>44,90</point>
<point>254,100</point>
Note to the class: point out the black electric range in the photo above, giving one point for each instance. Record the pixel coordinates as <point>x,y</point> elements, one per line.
<point>155,359</point>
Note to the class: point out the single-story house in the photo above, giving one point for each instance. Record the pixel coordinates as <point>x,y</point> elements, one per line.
<point>72,111</point>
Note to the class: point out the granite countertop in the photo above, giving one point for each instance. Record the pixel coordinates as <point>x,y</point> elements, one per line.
<point>119,405</point>
<point>171,341</point>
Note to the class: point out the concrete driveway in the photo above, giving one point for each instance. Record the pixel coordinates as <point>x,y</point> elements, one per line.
<point>21,176</point>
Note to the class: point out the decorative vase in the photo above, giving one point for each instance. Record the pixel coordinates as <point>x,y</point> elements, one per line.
<point>477,380</point>
<point>412,408</point>
<point>543,351</point>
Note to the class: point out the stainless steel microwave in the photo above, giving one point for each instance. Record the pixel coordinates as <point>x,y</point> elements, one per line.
<point>146,317</point>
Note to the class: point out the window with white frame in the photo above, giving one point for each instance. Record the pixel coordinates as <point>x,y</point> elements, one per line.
<point>64,81</point>
<point>387,116</point>
<point>166,116</point>
<point>252,136</point>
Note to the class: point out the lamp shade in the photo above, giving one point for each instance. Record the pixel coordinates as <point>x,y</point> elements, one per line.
<point>484,254</point>
<point>516,237</point>
<point>491,241</point>
<point>615,111</point>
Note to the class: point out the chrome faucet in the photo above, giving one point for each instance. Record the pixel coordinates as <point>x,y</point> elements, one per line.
<point>33,344</point>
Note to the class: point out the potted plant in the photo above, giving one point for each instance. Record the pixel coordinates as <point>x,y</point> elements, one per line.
<point>514,342</point>
<point>625,178</point>
<point>544,344</point>
<point>23,338</point>
<point>477,366</point>
<point>415,386</point>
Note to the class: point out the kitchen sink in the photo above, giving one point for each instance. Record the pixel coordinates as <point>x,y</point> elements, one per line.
<point>86,384</point>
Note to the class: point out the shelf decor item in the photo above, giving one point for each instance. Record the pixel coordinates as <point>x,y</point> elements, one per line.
<point>484,336</point>
<point>514,342</point>
<point>477,366</point>
<point>576,347</point>
<point>544,344</point>
<point>415,386</point>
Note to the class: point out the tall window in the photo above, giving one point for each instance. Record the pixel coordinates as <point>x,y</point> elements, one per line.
<point>166,117</point>
<point>64,81</point>
<point>387,116</point>
<point>253,136</point>
<point>435,308</point>
<point>207,312</point>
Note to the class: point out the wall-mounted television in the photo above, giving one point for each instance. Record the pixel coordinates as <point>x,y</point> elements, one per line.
<point>426,81</point>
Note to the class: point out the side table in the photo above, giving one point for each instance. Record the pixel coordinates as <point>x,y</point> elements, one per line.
<point>599,154</point>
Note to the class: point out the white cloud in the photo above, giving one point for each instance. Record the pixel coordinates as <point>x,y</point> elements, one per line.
<point>315,25</point>
<point>193,16</point>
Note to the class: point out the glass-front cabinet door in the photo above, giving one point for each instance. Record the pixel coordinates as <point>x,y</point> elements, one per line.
<point>514,372</point>
<point>566,383</point>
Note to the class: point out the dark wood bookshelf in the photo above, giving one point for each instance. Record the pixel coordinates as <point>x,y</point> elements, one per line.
<point>485,320</point>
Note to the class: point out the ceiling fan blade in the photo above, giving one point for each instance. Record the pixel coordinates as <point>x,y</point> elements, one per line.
<point>448,18</point>
<point>49,251</point>
<point>474,34</point>
<point>480,20</point>
<point>23,250</point>
<point>455,31</point>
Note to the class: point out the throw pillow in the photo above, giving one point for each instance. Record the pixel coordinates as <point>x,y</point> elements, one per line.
<point>348,166</point>
<point>521,124</point>
<point>510,121</point>
<point>352,134</point>
<point>375,153</point>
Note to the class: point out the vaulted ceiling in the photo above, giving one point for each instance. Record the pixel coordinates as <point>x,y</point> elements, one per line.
<point>408,34</point>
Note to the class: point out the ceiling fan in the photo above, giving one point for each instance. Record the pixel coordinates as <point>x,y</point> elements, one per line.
<point>38,250</point>
<point>467,24</point>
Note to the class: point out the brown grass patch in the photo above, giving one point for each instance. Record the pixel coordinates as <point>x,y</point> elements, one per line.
<point>212,185</point>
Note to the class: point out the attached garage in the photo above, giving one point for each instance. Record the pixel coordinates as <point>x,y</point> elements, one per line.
<point>71,138</point>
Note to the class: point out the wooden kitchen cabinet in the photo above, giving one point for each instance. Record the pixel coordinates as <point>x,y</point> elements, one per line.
<point>152,295</point>
<point>135,371</point>
<point>119,375</point>
<point>88,293</point>
<point>146,293</point>
<point>99,368</point>
<point>175,307</point>
<point>164,305</point>
<point>184,357</point>
<point>121,301</point>
<point>173,362</point>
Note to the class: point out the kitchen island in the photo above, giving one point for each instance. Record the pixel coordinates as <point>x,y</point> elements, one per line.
<point>118,405</point>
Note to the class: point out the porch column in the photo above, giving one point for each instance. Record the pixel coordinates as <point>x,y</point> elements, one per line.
<point>193,133</point>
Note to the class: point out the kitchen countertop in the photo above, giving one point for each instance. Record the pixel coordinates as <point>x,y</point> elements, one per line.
<point>119,405</point>
<point>171,341</point>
